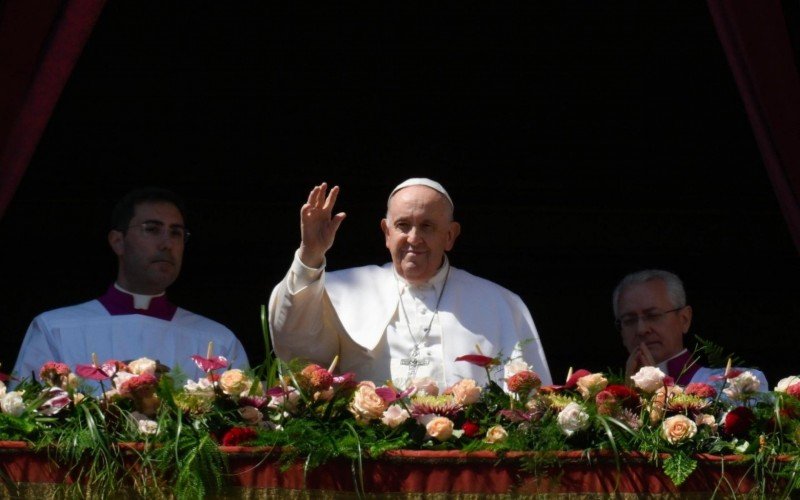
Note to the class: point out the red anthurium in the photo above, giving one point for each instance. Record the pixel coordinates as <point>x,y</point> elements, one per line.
<point>387,394</point>
<point>4,377</point>
<point>91,372</point>
<point>573,379</point>
<point>479,360</point>
<point>210,363</point>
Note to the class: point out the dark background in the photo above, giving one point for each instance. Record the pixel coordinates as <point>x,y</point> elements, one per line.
<point>579,140</point>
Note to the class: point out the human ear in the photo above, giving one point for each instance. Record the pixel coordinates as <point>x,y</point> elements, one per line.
<point>116,241</point>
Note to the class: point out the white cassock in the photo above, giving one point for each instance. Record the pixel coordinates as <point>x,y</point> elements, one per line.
<point>357,314</point>
<point>71,334</point>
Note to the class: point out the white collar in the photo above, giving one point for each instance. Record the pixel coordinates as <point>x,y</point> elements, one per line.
<point>140,301</point>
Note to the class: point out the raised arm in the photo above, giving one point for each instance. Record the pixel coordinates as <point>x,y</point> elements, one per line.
<point>318,225</point>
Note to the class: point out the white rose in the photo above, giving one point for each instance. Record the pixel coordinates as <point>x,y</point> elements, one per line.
<point>572,418</point>
<point>395,416</point>
<point>12,403</point>
<point>142,366</point>
<point>649,378</point>
<point>742,386</point>
<point>784,383</point>
<point>515,366</point>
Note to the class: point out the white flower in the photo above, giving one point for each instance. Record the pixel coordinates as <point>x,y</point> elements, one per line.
<point>742,386</point>
<point>122,377</point>
<point>287,402</point>
<point>2,389</point>
<point>394,416</point>
<point>649,378</point>
<point>426,385</point>
<point>142,366</point>
<point>144,423</point>
<point>59,398</point>
<point>572,418</point>
<point>784,383</point>
<point>515,366</point>
<point>202,387</point>
<point>496,434</point>
<point>12,403</point>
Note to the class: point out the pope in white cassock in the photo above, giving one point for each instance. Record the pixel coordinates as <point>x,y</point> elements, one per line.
<point>408,319</point>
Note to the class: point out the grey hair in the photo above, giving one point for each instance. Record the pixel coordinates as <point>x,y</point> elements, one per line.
<point>450,209</point>
<point>675,290</point>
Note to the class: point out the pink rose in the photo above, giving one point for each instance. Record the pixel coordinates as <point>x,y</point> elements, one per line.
<point>394,416</point>
<point>649,379</point>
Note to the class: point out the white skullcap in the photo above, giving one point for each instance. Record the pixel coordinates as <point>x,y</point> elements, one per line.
<point>422,181</point>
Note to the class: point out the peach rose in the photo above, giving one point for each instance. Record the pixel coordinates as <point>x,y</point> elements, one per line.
<point>706,419</point>
<point>465,392</point>
<point>367,404</point>
<point>439,428</point>
<point>426,385</point>
<point>589,385</point>
<point>678,428</point>
<point>234,382</point>
<point>496,434</point>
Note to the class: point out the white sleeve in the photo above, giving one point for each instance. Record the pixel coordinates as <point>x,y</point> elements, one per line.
<point>38,347</point>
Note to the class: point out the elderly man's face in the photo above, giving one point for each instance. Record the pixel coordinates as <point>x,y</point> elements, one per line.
<point>647,316</point>
<point>418,232</point>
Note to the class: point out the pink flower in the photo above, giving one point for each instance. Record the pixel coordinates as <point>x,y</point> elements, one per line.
<point>54,373</point>
<point>139,385</point>
<point>210,363</point>
<point>793,390</point>
<point>700,390</point>
<point>465,392</point>
<point>91,372</point>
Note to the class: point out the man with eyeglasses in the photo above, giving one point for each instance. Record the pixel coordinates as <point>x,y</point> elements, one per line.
<point>652,316</point>
<point>134,318</point>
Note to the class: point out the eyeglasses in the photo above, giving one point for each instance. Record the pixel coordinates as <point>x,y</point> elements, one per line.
<point>157,230</point>
<point>651,318</point>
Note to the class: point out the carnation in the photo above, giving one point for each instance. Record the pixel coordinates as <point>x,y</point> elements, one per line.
<point>524,382</point>
<point>738,421</point>
<point>54,374</point>
<point>238,435</point>
<point>12,403</point>
<point>742,387</point>
<point>465,392</point>
<point>138,385</point>
<point>701,390</point>
<point>315,378</point>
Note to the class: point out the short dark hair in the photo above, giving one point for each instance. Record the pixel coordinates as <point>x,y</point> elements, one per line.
<point>126,207</point>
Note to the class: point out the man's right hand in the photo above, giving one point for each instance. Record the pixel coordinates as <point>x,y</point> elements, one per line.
<point>317,225</point>
<point>640,357</point>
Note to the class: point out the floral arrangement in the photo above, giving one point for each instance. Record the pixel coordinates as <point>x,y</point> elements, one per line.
<point>311,412</point>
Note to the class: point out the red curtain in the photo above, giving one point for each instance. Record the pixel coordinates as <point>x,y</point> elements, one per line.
<point>40,42</point>
<point>758,46</point>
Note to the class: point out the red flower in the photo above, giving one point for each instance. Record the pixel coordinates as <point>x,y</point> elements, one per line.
<point>140,385</point>
<point>211,363</point>
<point>470,428</point>
<point>524,382</point>
<point>572,382</point>
<point>700,390</point>
<point>794,390</point>
<point>237,435</point>
<point>91,372</point>
<point>738,421</point>
<point>479,360</point>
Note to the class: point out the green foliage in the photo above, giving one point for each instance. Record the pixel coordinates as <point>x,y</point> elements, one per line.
<point>679,466</point>
<point>715,354</point>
